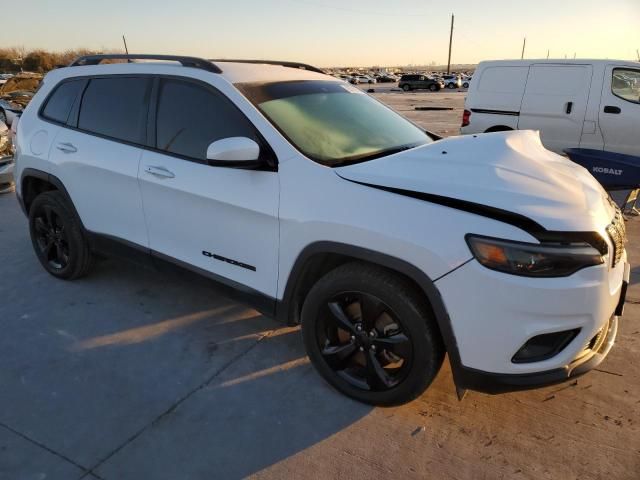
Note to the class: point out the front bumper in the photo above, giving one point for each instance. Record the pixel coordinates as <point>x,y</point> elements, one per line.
<point>588,359</point>
<point>492,315</point>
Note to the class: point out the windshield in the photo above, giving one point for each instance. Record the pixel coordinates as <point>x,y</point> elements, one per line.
<point>333,123</point>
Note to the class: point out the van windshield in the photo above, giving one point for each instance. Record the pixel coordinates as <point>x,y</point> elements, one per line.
<point>333,123</point>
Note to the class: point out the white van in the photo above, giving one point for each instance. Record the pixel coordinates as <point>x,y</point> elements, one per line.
<point>574,103</point>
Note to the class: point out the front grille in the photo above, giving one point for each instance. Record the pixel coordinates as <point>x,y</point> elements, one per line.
<point>618,235</point>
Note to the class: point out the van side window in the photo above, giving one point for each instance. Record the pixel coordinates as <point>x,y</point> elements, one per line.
<point>191,117</point>
<point>116,107</point>
<point>59,104</point>
<point>625,83</point>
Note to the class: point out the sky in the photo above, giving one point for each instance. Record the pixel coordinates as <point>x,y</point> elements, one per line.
<point>334,32</point>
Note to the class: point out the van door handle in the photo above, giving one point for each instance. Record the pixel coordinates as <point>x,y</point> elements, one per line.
<point>612,109</point>
<point>159,172</point>
<point>569,108</point>
<point>66,147</point>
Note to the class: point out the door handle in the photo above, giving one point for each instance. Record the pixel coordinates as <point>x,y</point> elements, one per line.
<point>569,108</point>
<point>612,109</point>
<point>66,147</point>
<point>159,172</point>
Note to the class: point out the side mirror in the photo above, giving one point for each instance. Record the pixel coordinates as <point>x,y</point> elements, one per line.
<point>238,152</point>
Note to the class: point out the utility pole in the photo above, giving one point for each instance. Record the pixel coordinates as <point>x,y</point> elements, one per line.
<point>547,54</point>
<point>450,43</point>
<point>524,44</point>
<point>124,40</point>
<point>638,54</point>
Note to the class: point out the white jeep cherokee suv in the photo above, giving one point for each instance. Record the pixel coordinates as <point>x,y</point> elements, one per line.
<point>317,204</point>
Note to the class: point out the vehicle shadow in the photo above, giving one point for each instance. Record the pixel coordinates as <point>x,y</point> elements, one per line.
<point>267,406</point>
<point>246,396</point>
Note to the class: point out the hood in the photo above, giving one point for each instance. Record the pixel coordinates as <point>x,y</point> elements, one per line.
<point>507,171</point>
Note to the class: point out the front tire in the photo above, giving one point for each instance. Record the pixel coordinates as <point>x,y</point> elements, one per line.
<point>371,335</point>
<point>57,237</point>
<point>433,87</point>
<point>406,88</point>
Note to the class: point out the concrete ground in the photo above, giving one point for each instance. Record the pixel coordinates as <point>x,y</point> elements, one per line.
<point>133,374</point>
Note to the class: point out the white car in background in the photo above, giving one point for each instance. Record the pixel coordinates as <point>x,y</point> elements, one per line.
<point>357,79</point>
<point>313,202</point>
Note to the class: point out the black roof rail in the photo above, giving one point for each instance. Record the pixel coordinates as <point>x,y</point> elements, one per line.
<point>193,62</point>
<point>301,66</point>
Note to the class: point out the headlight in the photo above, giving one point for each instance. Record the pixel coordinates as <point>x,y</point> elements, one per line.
<point>531,259</point>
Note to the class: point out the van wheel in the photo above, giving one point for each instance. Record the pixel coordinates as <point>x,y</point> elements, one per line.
<point>57,238</point>
<point>406,87</point>
<point>433,87</point>
<point>371,335</point>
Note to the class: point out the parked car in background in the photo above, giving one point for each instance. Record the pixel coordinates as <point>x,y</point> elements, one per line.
<point>6,160</point>
<point>452,81</point>
<point>386,79</point>
<point>592,104</point>
<point>357,79</point>
<point>4,77</point>
<point>15,94</point>
<point>419,82</point>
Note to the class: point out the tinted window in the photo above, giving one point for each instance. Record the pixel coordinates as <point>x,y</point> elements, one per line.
<point>191,117</point>
<point>116,107</point>
<point>59,104</point>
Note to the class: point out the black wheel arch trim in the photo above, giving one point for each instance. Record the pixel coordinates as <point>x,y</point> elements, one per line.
<point>53,180</point>
<point>424,282</point>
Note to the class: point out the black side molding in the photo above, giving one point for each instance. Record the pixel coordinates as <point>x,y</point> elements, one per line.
<point>495,112</point>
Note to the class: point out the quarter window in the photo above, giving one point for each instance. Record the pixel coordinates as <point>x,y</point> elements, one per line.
<point>116,107</point>
<point>191,117</point>
<point>625,83</point>
<point>59,105</point>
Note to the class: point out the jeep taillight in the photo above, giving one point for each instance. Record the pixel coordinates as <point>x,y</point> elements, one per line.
<point>466,116</point>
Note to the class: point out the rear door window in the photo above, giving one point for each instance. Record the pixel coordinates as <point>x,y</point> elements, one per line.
<point>116,107</point>
<point>59,105</point>
<point>191,117</point>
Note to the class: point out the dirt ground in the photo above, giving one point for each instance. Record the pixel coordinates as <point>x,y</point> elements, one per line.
<point>133,374</point>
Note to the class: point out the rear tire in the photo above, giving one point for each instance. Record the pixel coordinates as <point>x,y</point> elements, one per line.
<point>451,85</point>
<point>57,237</point>
<point>433,87</point>
<point>465,85</point>
<point>371,334</point>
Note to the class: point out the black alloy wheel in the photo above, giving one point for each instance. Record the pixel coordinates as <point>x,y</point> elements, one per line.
<point>362,340</point>
<point>371,334</point>
<point>57,236</point>
<point>51,238</point>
